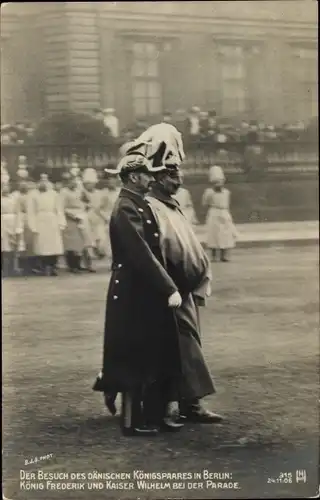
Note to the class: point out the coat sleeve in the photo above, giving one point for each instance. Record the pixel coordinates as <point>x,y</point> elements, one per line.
<point>129,226</point>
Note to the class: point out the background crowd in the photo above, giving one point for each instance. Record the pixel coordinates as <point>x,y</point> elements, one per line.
<point>46,216</point>
<point>195,124</point>
<point>42,220</point>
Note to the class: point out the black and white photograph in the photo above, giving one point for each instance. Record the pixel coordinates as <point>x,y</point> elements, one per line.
<point>160,250</point>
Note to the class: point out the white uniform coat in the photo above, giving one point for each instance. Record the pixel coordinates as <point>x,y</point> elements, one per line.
<point>221,232</point>
<point>47,221</point>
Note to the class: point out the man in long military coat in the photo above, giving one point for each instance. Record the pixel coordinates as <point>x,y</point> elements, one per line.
<point>189,267</point>
<point>141,357</point>
<point>185,262</point>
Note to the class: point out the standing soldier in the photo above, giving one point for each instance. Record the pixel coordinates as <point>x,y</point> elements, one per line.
<point>8,230</point>
<point>75,235</point>
<point>46,221</point>
<point>221,232</point>
<point>141,352</point>
<point>28,261</point>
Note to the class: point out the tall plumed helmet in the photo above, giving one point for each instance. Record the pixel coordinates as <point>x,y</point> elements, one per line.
<point>162,142</point>
<point>133,161</point>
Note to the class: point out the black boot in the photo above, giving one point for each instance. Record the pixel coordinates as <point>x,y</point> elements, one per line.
<point>36,264</point>
<point>155,406</point>
<point>77,263</point>
<point>45,265</point>
<point>5,265</point>
<point>223,255</point>
<point>72,262</point>
<point>110,401</point>
<point>88,261</point>
<point>132,422</point>
<point>193,411</point>
<point>213,254</point>
<point>25,265</point>
<point>69,261</point>
<point>53,265</point>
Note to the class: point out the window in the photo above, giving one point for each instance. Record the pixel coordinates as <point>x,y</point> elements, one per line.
<point>233,79</point>
<point>145,74</point>
<point>306,75</point>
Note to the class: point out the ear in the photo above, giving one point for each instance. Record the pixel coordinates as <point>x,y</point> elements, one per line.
<point>132,176</point>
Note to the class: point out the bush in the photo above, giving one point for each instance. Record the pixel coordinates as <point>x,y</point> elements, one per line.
<point>71,128</point>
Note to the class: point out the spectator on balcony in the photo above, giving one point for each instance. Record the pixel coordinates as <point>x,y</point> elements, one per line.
<point>208,124</point>
<point>192,126</point>
<point>75,171</point>
<point>98,114</point>
<point>4,173</point>
<point>22,171</point>
<point>167,117</point>
<point>180,120</point>
<point>252,136</point>
<point>111,122</point>
<point>203,122</point>
<point>221,136</point>
<point>47,221</point>
<point>21,132</point>
<point>5,134</point>
<point>270,133</point>
<point>243,130</point>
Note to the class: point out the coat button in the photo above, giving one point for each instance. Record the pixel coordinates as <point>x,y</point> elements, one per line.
<point>115,297</point>
<point>149,221</point>
<point>156,235</point>
<point>140,210</point>
<point>116,281</point>
<point>119,265</point>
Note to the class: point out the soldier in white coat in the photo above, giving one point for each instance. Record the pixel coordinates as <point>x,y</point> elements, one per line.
<point>221,232</point>
<point>46,221</point>
<point>8,230</point>
<point>91,197</point>
<point>76,237</point>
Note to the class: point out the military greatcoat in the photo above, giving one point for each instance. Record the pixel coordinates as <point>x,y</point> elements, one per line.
<point>140,338</point>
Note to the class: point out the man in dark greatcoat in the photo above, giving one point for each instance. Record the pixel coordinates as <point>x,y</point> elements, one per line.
<point>141,357</point>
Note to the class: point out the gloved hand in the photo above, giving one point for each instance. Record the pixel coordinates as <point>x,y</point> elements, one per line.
<point>175,300</point>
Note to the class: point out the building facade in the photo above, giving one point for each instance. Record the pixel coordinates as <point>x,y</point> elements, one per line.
<point>244,59</point>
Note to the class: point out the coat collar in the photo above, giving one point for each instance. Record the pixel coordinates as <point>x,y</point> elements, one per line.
<point>127,193</point>
<point>138,199</point>
<point>166,199</point>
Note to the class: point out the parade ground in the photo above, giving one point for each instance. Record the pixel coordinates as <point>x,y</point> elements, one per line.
<point>260,338</point>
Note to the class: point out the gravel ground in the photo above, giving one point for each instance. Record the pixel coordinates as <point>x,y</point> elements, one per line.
<point>260,332</point>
